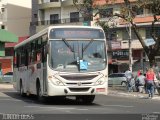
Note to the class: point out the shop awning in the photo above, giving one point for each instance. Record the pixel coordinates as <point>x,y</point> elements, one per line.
<point>20,39</point>
<point>120,62</point>
<point>6,36</point>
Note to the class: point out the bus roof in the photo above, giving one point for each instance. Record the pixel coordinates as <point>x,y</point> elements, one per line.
<point>42,32</point>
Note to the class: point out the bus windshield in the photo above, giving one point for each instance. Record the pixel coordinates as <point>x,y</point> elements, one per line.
<point>66,57</point>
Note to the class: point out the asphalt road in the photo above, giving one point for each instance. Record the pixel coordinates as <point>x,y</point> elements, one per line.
<point>110,106</point>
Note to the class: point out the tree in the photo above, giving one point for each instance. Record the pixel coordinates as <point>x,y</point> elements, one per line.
<point>128,14</point>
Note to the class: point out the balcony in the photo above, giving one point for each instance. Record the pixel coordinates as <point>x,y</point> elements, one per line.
<point>48,5</point>
<point>60,21</point>
<point>139,20</point>
<point>70,2</point>
<point>135,44</point>
<point>69,21</point>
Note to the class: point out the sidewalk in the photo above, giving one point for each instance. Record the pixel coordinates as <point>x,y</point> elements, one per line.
<point>123,92</point>
<point>4,86</point>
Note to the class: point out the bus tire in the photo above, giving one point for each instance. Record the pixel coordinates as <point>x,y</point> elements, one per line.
<point>40,97</point>
<point>86,99</point>
<point>22,89</point>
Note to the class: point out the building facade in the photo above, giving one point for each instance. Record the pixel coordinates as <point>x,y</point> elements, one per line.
<point>118,37</point>
<point>15,17</point>
<point>56,12</point>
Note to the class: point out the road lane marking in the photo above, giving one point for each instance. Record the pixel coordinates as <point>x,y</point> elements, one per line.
<point>118,106</point>
<point>58,108</point>
<point>81,109</point>
<point>52,107</point>
<point>10,100</point>
<point>156,112</point>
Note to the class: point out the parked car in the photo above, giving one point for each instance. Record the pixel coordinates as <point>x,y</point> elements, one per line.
<point>7,77</point>
<point>117,79</point>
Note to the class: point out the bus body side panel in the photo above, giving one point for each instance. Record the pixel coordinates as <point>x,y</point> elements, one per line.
<point>35,73</point>
<point>15,79</point>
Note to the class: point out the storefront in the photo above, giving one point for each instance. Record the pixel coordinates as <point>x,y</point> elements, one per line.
<point>6,61</point>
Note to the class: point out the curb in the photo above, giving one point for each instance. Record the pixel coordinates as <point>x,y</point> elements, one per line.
<point>132,94</point>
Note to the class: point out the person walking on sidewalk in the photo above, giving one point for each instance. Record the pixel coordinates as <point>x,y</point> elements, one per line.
<point>130,80</point>
<point>140,82</point>
<point>150,75</point>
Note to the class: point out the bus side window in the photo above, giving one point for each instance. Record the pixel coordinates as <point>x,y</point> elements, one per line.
<point>32,54</point>
<point>15,59</point>
<point>44,53</point>
<point>18,59</point>
<point>26,57</point>
<point>44,48</point>
<point>38,49</point>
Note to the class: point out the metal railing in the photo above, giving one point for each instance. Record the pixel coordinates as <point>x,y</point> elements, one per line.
<point>60,21</point>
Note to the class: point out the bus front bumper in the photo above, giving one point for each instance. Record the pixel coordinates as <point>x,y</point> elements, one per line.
<point>76,90</point>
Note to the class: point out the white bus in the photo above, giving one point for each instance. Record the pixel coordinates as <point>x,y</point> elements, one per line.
<point>62,61</point>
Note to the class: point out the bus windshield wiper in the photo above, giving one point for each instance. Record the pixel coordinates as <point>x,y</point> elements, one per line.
<point>67,44</point>
<point>85,47</point>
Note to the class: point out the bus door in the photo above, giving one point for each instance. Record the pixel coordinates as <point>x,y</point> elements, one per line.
<point>44,62</point>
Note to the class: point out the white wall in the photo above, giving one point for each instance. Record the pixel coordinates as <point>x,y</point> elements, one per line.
<point>18,18</point>
<point>22,3</point>
<point>65,12</point>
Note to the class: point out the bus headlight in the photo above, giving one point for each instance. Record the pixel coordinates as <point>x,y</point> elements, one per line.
<point>56,81</point>
<point>101,81</point>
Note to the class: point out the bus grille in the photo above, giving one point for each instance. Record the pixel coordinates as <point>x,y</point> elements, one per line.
<point>79,89</point>
<point>85,83</point>
<point>78,77</point>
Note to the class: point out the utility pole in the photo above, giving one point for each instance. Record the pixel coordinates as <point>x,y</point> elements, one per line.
<point>130,43</point>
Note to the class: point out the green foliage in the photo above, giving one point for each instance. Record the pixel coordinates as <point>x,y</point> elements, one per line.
<point>104,25</point>
<point>153,5</point>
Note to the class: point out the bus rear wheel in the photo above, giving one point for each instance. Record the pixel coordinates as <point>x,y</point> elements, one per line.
<point>21,89</point>
<point>86,99</point>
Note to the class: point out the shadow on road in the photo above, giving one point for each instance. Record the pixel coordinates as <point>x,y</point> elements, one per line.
<point>49,101</point>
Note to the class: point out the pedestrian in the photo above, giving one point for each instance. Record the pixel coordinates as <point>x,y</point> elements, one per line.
<point>140,82</point>
<point>1,74</point>
<point>150,75</point>
<point>136,82</point>
<point>138,73</point>
<point>130,80</point>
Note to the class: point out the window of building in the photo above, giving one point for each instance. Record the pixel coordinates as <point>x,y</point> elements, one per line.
<point>35,15</point>
<point>148,32</point>
<point>113,35</point>
<point>74,17</point>
<point>138,11</point>
<point>3,27</point>
<point>54,18</point>
<point>125,35</point>
<point>2,9</point>
<point>148,11</point>
<point>106,12</point>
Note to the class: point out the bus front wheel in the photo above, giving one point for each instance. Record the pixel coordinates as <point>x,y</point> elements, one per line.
<point>39,93</point>
<point>86,99</point>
